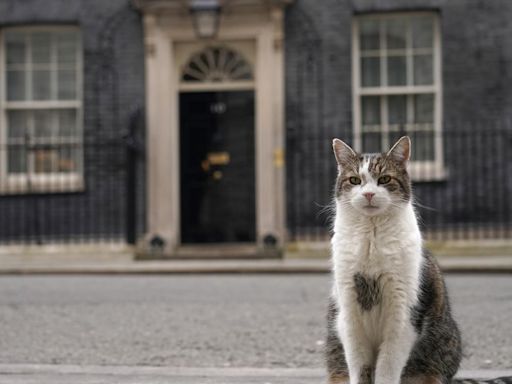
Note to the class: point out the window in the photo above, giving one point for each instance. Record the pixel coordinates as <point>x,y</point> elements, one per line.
<point>217,64</point>
<point>397,87</point>
<point>41,146</point>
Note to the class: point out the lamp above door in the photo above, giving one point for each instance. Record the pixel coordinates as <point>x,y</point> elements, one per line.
<point>205,17</point>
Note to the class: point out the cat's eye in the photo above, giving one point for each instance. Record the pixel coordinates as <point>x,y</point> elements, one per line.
<point>384,179</point>
<point>355,180</point>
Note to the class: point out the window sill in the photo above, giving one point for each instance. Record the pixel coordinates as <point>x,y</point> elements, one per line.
<point>427,172</point>
<point>23,185</point>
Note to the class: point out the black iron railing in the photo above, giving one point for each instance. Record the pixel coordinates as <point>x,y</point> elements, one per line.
<point>56,193</point>
<point>464,192</point>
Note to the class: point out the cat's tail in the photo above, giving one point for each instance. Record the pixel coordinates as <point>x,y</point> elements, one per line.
<point>500,380</point>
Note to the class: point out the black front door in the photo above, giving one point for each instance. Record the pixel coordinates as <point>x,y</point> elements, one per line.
<point>217,167</point>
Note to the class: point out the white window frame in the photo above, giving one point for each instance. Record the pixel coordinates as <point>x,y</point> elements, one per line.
<point>419,170</point>
<point>31,182</point>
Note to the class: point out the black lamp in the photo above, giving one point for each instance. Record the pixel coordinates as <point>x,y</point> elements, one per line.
<point>205,16</point>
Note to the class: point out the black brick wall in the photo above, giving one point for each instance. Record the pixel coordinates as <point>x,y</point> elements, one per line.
<point>477,90</point>
<point>477,53</point>
<point>113,90</point>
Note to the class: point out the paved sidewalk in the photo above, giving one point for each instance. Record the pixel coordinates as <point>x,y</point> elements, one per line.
<point>124,265</point>
<point>74,374</point>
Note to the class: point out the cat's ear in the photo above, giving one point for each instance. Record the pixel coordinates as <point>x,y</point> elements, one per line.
<point>401,151</point>
<point>344,154</point>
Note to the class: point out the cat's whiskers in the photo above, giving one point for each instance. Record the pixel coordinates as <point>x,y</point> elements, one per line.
<point>418,204</point>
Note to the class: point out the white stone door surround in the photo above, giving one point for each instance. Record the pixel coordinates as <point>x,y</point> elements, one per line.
<point>255,28</point>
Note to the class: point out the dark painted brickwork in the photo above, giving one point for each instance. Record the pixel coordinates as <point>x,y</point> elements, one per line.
<point>477,93</point>
<point>113,59</point>
<point>477,97</point>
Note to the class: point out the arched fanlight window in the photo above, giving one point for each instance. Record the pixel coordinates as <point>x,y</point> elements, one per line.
<point>217,64</point>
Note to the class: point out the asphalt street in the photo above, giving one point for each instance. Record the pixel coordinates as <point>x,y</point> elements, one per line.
<point>201,321</point>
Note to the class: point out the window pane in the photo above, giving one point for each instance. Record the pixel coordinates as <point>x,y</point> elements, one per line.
<point>66,85</point>
<point>68,159</point>
<point>370,71</point>
<point>423,72</point>
<point>15,48</point>
<point>397,109</point>
<point>422,32</point>
<point>41,85</point>
<point>45,160</point>
<point>41,48</point>
<point>369,35</point>
<point>17,124</point>
<point>371,142</point>
<point>16,85</point>
<point>51,160</point>
<point>422,146</point>
<point>394,136</point>
<point>44,126</point>
<point>370,110</point>
<point>66,48</point>
<point>396,33</point>
<point>397,70</point>
<point>424,108</point>
<point>16,159</point>
<point>67,123</point>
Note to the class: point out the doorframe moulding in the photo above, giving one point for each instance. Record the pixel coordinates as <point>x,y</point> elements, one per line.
<point>167,26</point>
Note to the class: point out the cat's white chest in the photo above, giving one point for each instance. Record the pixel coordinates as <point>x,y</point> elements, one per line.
<point>376,272</point>
<point>372,252</point>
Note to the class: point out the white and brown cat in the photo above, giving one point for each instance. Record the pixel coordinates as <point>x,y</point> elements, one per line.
<point>389,319</point>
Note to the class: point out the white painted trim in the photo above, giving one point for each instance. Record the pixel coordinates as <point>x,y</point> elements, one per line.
<point>420,170</point>
<point>46,104</point>
<point>438,100</point>
<point>163,34</point>
<point>396,90</point>
<point>264,138</point>
<point>427,171</point>
<point>279,124</point>
<point>175,138</point>
<point>162,148</point>
<point>42,183</point>
<point>202,87</point>
<point>356,98</point>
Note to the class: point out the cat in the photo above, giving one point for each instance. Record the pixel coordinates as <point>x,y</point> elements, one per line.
<point>389,317</point>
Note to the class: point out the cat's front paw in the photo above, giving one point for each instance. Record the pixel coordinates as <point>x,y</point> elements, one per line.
<point>338,379</point>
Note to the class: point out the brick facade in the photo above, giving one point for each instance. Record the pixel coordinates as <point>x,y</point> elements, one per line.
<point>113,89</point>
<point>476,76</point>
<point>476,38</point>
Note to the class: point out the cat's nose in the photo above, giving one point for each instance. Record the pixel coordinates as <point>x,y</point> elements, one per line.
<point>368,195</point>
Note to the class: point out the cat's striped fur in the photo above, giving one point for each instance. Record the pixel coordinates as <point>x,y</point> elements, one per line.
<point>389,319</point>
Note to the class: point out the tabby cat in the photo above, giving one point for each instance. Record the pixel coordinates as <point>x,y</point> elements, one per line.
<point>389,319</point>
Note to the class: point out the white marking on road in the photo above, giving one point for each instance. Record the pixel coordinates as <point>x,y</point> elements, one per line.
<point>32,369</point>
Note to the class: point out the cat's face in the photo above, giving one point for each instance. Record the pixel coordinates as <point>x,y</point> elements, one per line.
<point>373,183</point>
